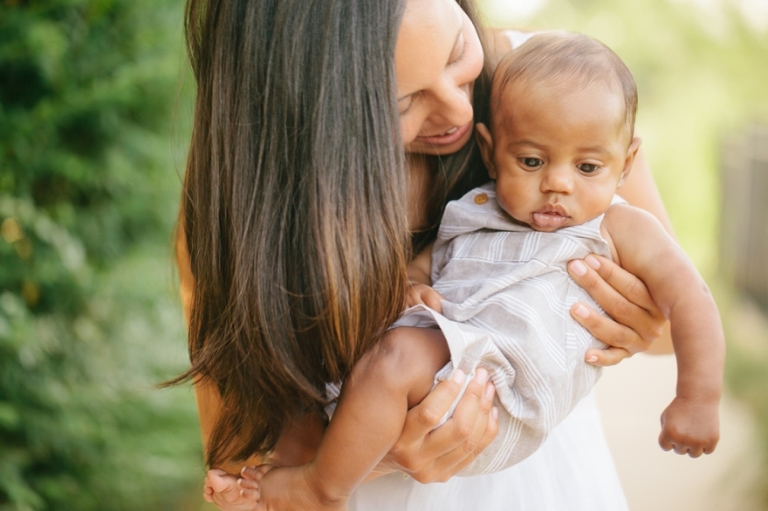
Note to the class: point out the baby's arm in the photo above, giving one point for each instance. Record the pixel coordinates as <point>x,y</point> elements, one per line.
<point>690,424</point>
<point>420,290</point>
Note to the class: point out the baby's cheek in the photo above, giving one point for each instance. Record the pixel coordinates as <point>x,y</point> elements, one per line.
<point>513,205</point>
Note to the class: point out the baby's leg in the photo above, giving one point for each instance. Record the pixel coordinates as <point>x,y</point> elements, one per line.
<point>395,375</point>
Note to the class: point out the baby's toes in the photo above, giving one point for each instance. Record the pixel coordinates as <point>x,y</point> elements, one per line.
<point>248,484</point>
<point>253,495</point>
<point>249,489</point>
<point>255,474</point>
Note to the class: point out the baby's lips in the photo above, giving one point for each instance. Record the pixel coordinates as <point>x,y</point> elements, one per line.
<point>549,220</point>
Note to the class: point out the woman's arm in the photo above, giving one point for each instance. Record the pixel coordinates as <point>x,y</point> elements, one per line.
<point>640,191</point>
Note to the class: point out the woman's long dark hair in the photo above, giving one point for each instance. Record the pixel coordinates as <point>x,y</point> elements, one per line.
<point>294,204</point>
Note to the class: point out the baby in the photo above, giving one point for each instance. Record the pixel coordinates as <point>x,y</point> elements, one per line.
<point>560,144</point>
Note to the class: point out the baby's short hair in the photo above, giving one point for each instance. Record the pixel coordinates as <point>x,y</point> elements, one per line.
<point>556,57</point>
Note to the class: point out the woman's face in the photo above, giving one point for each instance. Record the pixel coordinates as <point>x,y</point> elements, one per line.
<point>437,58</point>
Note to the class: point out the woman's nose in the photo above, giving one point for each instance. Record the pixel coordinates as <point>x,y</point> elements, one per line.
<point>557,180</point>
<point>453,106</point>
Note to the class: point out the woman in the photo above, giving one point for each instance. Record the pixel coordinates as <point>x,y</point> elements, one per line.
<point>297,206</point>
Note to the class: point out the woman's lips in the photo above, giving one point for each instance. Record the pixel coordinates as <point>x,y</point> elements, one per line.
<point>449,137</point>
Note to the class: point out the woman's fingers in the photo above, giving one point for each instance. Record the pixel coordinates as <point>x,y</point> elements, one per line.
<point>410,454</point>
<point>607,330</point>
<point>629,286</point>
<point>425,416</point>
<point>492,428</point>
<point>455,444</point>
<point>635,321</point>
<point>607,357</point>
<point>609,298</point>
<point>429,453</point>
<point>469,409</point>
<point>486,423</point>
<point>458,437</point>
<point>485,430</point>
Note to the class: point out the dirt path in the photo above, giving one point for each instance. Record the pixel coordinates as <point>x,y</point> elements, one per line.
<point>631,398</point>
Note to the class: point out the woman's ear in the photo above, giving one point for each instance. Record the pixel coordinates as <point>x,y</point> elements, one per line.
<point>485,140</point>
<point>631,153</point>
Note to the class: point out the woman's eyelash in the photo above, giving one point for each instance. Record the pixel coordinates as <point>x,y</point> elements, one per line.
<point>461,55</point>
<point>410,104</point>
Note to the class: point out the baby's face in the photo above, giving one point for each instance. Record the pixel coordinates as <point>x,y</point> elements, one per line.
<point>557,155</point>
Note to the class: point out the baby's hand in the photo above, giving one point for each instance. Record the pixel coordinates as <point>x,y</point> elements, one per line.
<point>422,294</point>
<point>690,427</point>
<point>223,490</point>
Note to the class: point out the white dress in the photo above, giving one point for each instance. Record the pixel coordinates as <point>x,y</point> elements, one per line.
<point>572,471</point>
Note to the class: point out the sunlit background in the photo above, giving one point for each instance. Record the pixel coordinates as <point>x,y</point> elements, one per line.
<point>94,120</point>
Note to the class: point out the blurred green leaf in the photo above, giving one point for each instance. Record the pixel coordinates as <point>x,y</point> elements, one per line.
<point>89,320</point>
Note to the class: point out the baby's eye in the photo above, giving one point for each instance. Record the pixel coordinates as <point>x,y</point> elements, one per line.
<point>531,163</point>
<point>588,168</point>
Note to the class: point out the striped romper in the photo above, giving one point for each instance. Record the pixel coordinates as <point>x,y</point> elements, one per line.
<point>508,297</point>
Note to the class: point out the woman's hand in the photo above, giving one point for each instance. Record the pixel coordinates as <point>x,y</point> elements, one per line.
<point>637,322</point>
<point>432,454</point>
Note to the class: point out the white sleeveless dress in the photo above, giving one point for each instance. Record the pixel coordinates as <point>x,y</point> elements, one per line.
<point>572,471</point>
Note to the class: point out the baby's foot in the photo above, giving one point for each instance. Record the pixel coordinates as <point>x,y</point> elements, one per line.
<point>287,489</point>
<point>222,489</point>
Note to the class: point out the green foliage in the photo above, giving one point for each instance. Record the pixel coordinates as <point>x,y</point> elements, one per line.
<point>88,193</point>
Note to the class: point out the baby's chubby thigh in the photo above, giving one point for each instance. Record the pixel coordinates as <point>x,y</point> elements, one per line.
<point>402,365</point>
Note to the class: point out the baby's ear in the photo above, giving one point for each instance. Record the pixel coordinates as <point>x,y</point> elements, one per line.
<point>485,140</point>
<point>631,153</point>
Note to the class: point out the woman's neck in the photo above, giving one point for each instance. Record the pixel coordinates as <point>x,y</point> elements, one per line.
<point>420,176</point>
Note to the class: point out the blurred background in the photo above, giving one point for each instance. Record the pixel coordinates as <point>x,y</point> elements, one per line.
<point>95,107</point>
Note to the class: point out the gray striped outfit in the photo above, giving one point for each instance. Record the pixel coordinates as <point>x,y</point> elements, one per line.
<point>508,297</point>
